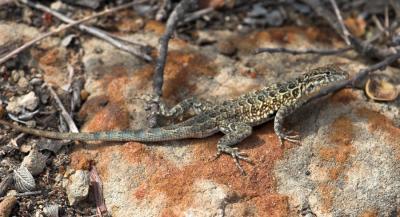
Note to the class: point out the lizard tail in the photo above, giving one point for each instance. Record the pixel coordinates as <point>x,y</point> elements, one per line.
<point>144,135</point>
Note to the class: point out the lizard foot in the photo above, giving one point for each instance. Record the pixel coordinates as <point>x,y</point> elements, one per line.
<point>236,155</point>
<point>295,138</point>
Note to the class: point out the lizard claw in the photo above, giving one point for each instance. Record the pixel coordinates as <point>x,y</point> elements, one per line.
<point>236,155</point>
<point>291,138</point>
<point>216,156</point>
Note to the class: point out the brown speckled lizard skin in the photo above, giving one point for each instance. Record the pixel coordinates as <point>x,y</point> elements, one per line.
<point>235,117</point>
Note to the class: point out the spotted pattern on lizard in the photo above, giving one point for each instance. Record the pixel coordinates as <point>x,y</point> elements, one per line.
<point>235,117</point>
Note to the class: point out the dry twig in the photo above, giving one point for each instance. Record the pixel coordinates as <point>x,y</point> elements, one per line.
<point>306,51</point>
<point>9,45</point>
<point>321,11</point>
<point>61,28</point>
<point>378,66</point>
<point>24,194</point>
<point>176,15</point>
<point>396,6</point>
<point>369,50</point>
<point>158,77</point>
<point>378,23</point>
<point>196,15</point>
<point>386,23</point>
<point>360,76</point>
<point>5,183</point>
<point>132,48</point>
<point>362,47</point>
<point>346,32</point>
<point>70,122</point>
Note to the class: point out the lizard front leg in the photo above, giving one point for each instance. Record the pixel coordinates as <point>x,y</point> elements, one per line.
<point>234,133</point>
<point>280,116</point>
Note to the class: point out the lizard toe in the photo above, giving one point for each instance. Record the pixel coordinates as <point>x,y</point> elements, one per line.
<point>289,136</point>
<point>216,156</point>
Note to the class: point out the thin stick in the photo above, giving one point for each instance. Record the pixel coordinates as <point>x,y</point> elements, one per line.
<point>70,122</point>
<point>5,183</point>
<point>306,51</point>
<point>132,48</point>
<point>369,50</point>
<point>363,48</point>
<point>378,23</point>
<point>158,77</point>
<point>196,15</point>
<point>396,7</point>
<point>29,193</point>
<point>361,75</point>
<point>9,45</point>
<point>346,32</point>
<point>386,23</point>
<point>321,11</point>
<point>380,65</point>
<point>176,15</point>
<point>59,29</point>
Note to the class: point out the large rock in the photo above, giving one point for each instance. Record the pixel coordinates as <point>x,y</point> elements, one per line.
<point>346,164</point>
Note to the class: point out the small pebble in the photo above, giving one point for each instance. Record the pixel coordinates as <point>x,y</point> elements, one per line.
<point>98,50</point>
<point>23,83</point>
<point>21,73</point>
<point>12,193</point>
<point>36,81</point>
<point>14,76</point>
<point>33,71</point>
<point>226,48</point>
<point>78,187</point>
<point>2,110</point>
<point>3,70</point>
<point>28,101</point>
<point>24,148</point>
<point>84,95</point>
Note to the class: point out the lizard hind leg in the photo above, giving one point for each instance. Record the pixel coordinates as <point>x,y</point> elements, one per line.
<point>234,133</point>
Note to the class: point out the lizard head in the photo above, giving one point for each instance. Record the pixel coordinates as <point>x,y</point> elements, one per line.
<point>323,77</point>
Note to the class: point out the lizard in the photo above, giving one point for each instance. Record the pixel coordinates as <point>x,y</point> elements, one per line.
<point>235,118</point>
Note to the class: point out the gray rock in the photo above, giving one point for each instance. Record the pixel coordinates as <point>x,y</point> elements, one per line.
<point>23,83</point>
<point>15,75</point>
<point>77,187</point>
<point>351,168</point>
<point>28,101</point>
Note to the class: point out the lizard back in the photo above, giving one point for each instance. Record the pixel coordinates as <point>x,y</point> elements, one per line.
<point>260,106</point>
